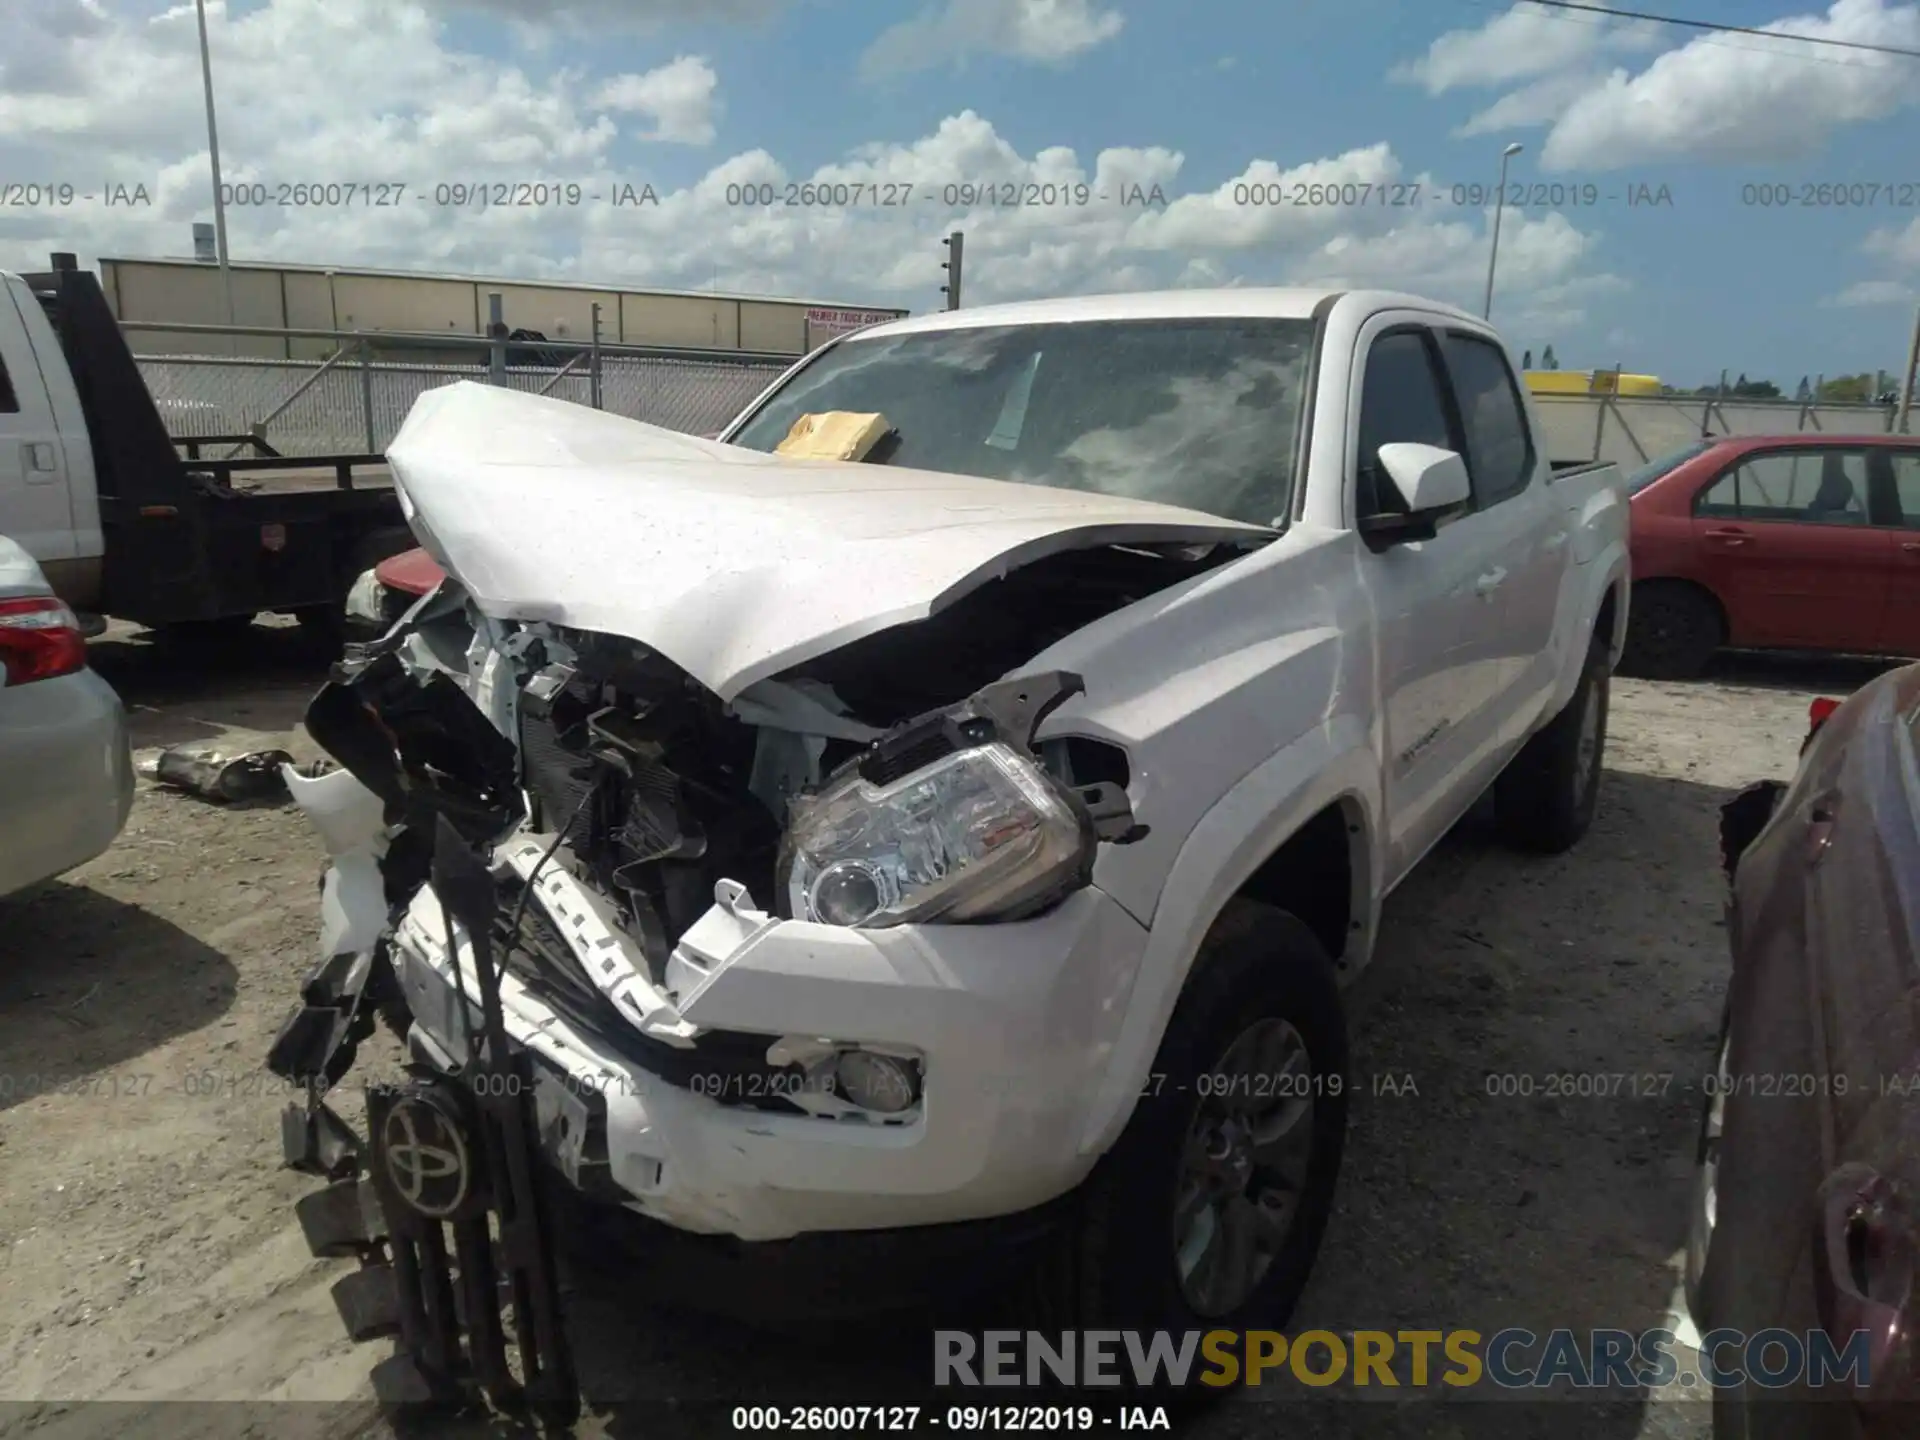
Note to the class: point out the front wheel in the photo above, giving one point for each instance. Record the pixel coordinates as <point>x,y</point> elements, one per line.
<point>1546,798</point>
<point>1209,1210</point>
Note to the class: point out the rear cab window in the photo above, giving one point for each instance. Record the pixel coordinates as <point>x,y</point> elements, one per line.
<point>1500,452</point>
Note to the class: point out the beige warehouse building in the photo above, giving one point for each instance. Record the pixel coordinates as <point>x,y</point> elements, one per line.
<point>317,297</point>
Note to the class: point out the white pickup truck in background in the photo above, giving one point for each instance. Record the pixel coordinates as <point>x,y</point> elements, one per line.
<point>974,840</point>
<point>124,524</point>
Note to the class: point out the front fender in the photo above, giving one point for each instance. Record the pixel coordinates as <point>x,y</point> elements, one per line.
<point>1332,763</point>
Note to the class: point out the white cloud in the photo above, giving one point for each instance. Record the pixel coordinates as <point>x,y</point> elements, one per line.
<point>1871,294</point>
<point>587,16</point>
<point>1519,44</point>
<point>1735,98</point>
<point>1045,31</point>
<point>1743,98</point>
<point>1538,103</point>
<point>1900,246</point>
<point>1547,277</point>
<point>679,97</point>
<point>348,91</point>
<point>1900,249</point>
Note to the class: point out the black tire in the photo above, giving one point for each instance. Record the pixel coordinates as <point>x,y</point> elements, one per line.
<point>1121,1269</point>
<point>1673,631</point>
<point>1546,798</point>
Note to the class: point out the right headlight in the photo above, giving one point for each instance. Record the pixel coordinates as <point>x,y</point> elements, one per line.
<point>981,834</point>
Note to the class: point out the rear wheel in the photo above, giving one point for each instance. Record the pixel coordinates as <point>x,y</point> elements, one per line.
<point>1673,630</point>
<point>1546,798</point>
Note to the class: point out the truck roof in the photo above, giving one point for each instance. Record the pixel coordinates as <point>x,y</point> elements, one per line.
<point>1264,302</point>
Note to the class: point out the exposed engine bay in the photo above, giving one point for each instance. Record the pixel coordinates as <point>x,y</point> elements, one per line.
<point>893,780</point>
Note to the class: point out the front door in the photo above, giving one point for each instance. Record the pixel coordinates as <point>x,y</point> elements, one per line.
<point>35,508</point>
<point>1435,602</point>
<point>1786,540</point>
<point>1522,521</point>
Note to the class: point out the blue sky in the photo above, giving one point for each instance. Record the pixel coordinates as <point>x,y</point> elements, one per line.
<point>1202,100</point>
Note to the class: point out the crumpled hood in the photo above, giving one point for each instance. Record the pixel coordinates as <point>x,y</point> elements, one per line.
<point>733,564</point>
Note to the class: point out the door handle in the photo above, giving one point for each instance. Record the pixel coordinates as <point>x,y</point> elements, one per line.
<point>1729,537</point>
<point>40,466</point>
<point>1912,547</point>
<point>1863,1270</point>
<point>1490,582</point>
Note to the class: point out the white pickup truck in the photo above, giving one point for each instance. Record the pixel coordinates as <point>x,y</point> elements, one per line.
<point>122,523</point>
<point>970,843</point>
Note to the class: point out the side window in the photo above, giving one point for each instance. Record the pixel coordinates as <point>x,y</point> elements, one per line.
<point>1796,487</point>
<point>1721,499</point>
<point>1500,454</point>
<point>1401,402</point>
<point>9,402</point>
<point>1906,484</point>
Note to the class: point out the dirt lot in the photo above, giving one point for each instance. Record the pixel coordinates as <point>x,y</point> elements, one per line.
<point>147,1245</point>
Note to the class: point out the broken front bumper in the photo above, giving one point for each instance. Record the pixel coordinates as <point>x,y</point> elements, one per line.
<point>685,1112</point>
<point>1010,1026</point>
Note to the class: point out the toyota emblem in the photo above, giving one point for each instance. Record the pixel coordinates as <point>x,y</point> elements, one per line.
<point>427,1156</point>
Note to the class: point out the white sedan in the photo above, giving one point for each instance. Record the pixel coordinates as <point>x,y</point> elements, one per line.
<point>66,774</point>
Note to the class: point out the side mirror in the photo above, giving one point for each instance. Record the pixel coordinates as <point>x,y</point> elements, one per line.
<point>1429,482</point>
<point>1428,478</point>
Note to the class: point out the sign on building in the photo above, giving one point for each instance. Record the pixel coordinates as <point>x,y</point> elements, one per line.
<point>825,322</point>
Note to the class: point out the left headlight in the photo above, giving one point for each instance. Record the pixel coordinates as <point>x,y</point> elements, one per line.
<point>981,834</point>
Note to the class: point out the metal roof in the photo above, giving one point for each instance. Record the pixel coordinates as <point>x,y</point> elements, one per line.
<point>523,283</point>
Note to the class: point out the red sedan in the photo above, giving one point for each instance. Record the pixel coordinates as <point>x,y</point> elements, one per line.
<point>1782,542</point>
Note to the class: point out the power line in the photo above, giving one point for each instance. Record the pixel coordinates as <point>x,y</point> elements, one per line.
<point>1595,20</point>
<point>1727,29</point>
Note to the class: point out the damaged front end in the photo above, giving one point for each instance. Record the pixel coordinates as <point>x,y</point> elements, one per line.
<point>547,847</point>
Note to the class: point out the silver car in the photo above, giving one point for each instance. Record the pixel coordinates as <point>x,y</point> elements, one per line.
<point>66,774</point>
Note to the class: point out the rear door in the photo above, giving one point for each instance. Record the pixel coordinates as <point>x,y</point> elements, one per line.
<point>1901,633</point>
<point>1440,654</point>
<point>35,508</point>
<point>1785,538</point>
<point>1522,525</point>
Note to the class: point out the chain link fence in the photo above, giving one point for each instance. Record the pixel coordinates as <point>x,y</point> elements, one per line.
<point>347,405</point>
<point>354,404</point>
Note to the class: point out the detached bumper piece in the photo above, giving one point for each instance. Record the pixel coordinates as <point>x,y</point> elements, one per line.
<point>444,1205</point>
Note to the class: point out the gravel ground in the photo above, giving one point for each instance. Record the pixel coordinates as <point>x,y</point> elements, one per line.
<point>147,1244</point>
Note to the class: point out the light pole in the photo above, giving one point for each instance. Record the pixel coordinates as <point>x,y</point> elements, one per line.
<point>213,154</point>
<point>1499,204</point>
